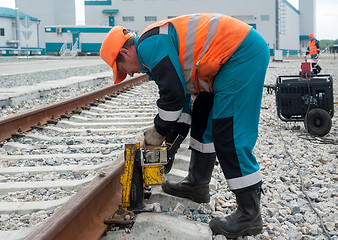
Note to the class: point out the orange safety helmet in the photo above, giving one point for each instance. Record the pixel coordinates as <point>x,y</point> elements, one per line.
<point>311,35</point>
<point>111,47</point>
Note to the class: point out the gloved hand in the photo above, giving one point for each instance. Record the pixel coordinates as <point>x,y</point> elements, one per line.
<point>152,137</point>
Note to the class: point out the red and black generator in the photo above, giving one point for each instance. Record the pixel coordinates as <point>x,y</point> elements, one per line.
<point>306,97</point>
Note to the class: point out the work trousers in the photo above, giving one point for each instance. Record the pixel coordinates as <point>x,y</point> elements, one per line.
<point>226,119</point>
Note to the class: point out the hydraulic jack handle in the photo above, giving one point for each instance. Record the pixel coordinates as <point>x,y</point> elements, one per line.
<point>171,153</point>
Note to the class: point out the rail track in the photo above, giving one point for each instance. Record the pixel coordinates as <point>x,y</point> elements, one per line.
<point>61,179</point>
<point>76,157</point>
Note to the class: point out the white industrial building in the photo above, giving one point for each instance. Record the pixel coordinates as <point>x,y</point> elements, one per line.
<point>72,40</point>
<point>307,22</point>
<point>49,12</point>
<point>283,26</point>
<point>18,33</point>
<point>59,33</point>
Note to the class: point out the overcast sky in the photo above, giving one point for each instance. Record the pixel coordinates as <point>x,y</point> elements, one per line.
<point>326,16</point>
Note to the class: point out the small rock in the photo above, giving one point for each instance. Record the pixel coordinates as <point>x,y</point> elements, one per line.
<point>50,162</point>
<point>157,207</point>
<point>220,237</point>
<point>204,208</point>
<point>179,208</point>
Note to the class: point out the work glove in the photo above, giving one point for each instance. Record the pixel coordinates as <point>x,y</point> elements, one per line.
<point>152,137</point>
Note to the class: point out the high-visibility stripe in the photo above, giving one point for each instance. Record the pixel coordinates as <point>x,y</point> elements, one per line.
<point>185,118</point>
<point>199,38</point>
<point>214,20</point>
<point>245,181</point>
<point>202,147</point>
<point>169,115</point>
<point>164,29</point>
<point>190,46</point>
<point>212,29</point>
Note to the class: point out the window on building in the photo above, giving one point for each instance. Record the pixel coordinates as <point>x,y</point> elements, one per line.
<point>2,32</point>
<point>128,18</point>
<point>265,17</point>
<point>150,18</point>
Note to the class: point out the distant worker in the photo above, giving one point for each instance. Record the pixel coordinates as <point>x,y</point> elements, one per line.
<point>313,49</point>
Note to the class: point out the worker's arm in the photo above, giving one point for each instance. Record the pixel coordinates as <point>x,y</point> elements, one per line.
<point>159,53</point>
<point>172,96</point>
<point>182,125</point>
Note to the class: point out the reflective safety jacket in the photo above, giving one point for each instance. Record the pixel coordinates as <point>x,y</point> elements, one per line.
<point>206,42</point>
<point>313,46</point>
<point>183,55</point>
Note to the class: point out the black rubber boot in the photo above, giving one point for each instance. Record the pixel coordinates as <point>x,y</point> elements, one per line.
<point>246,220</point>
<point>196,185</point>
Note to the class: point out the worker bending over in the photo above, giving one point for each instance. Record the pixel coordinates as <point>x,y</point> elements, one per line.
<point>224,62</point>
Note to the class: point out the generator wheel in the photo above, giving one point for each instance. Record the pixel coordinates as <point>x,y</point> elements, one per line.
<point>318,122</point>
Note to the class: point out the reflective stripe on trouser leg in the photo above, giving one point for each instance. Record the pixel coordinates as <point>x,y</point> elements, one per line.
<point>201,134</point>
<point>238,91</point>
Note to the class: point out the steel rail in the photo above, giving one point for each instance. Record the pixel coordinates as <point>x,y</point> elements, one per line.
<point>82,217</point>
<point>23,122</point>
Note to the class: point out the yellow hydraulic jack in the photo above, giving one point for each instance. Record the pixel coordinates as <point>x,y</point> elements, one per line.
<point>144,168</point>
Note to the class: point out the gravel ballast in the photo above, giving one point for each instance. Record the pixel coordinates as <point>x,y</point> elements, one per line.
<point>299,170</point>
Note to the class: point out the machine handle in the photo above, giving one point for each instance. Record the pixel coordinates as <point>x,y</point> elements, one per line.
<point>171,153</point>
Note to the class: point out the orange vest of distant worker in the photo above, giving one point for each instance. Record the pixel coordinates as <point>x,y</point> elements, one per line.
<point>206,42</point>
<point>313,47</point>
